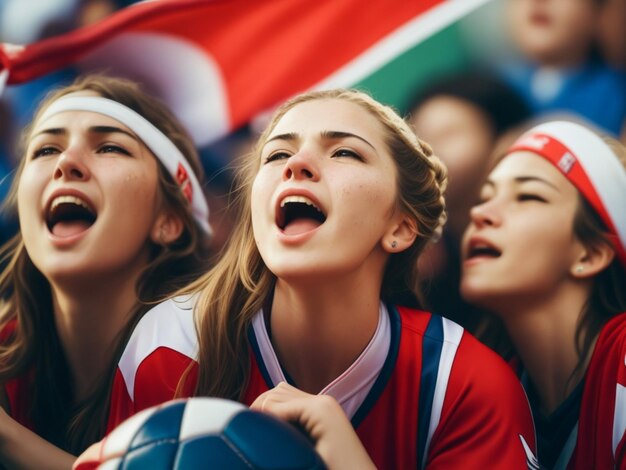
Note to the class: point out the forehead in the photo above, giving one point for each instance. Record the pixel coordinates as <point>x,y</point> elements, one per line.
<point>313,117</point>
<point>528,164</point>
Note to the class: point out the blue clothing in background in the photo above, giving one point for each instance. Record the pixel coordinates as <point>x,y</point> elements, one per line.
<point>593,91</point>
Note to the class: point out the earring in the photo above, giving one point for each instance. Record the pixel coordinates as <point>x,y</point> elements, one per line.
<point>394,244</point>
<point>579,269</point>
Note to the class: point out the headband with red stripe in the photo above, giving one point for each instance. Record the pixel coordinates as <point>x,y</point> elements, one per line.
<point>590,165</point>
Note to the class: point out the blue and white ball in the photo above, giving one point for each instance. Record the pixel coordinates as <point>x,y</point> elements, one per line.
<point>203,433</point>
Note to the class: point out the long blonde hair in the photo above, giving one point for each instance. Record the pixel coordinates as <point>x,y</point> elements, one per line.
<point>25,295</point>
<point>236,288</point>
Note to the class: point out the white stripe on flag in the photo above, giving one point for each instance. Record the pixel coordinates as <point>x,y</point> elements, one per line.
<point>399,41</point>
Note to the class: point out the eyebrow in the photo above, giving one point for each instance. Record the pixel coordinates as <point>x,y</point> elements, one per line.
<point>526,179</point>
<point>93,129</point>
<point>327,135</point>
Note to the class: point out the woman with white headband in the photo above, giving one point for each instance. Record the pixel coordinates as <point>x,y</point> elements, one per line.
<point>112,219</point>
<point>546,252</point>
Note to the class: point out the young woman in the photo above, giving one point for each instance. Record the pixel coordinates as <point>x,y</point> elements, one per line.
<point>337,202</point>
<point>546,251</point>
<point>112,219</point>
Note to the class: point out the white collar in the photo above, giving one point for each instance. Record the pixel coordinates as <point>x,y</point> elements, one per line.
<point>352,387</point>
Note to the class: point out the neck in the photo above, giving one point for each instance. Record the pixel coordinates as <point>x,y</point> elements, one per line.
<point>319,330</point>
<point>544,335</point>
<point>88,320</point>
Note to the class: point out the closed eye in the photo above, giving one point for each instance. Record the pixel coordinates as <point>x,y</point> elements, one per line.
<point>530,197</point>
<point>110,148</point>
<point>347,153</point>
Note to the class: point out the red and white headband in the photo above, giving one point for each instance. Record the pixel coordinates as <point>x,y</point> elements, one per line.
<point>161,146</point>
<point>590,165</point>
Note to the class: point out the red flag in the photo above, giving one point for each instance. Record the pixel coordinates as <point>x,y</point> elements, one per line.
<point>218,63</point>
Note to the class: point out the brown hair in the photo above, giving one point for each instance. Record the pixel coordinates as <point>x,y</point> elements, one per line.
<point>26,296</point>
<point>608,296</point>
<point>236,288</point>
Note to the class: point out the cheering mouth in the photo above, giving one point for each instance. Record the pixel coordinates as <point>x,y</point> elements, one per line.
<point>68,215</point>
<point>298,214</point>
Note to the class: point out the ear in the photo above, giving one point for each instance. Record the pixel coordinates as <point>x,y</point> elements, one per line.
<point>592,260</point>
<point>400,235</point>
<point>167,227</point>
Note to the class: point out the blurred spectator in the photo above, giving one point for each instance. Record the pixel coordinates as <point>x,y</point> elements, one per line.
<point>612,33</point>
<point>463,117</point>
<point>92,11</point>
<point>561,69</point>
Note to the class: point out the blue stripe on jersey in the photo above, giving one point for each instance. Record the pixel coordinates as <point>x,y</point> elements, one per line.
<point>395,324</point>
<point>431,355</point>
<point>254,344</point>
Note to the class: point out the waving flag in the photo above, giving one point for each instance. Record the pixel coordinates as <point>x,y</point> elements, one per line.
<point>219,63</point>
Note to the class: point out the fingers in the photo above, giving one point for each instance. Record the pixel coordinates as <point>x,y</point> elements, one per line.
<point>90,459</point>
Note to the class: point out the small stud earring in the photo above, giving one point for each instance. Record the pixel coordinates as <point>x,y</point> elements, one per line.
<point>579,269</point>
<point>394,244</point>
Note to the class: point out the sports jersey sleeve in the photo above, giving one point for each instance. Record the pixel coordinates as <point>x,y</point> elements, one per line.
<point>485,420</point>
<point>162,347</point>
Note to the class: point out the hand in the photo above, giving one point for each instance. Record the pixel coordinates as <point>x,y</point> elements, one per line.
<point>323,419</point>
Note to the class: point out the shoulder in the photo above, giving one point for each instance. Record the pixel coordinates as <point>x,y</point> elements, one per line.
<point>610,350</point>
<point>165,333</point>
<point>476,397</point>
<point>472,360</point>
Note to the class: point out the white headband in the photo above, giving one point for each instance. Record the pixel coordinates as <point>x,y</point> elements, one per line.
<point>164,149</point>
<point>590,165</point>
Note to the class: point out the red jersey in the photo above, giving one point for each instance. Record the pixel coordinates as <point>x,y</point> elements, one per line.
<point>601,440</point>
<point>423,394</point>
<point>159,350</point>
<point>440,400</point>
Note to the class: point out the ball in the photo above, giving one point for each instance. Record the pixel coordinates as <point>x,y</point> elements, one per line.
<point>203,433</point>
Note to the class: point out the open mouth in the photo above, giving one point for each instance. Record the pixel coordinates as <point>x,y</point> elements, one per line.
<point>298,214</point>
<point>483,250</point>
<point>69,215</point>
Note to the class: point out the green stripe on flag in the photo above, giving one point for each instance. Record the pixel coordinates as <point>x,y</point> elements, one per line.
<point>398,80</point>
<point>451,49</point>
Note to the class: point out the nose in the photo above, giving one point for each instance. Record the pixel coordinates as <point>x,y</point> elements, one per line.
<point>485,214</point>
<point>301,166</point>
<point>71,166</point>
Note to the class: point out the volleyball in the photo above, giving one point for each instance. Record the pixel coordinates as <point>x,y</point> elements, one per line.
<point>203,433</point>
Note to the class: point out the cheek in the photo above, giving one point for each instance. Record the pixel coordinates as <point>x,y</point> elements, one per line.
<point>260,200</point>
<point>136,193</point>
<point>29,189</point>
<point>370,200</point>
